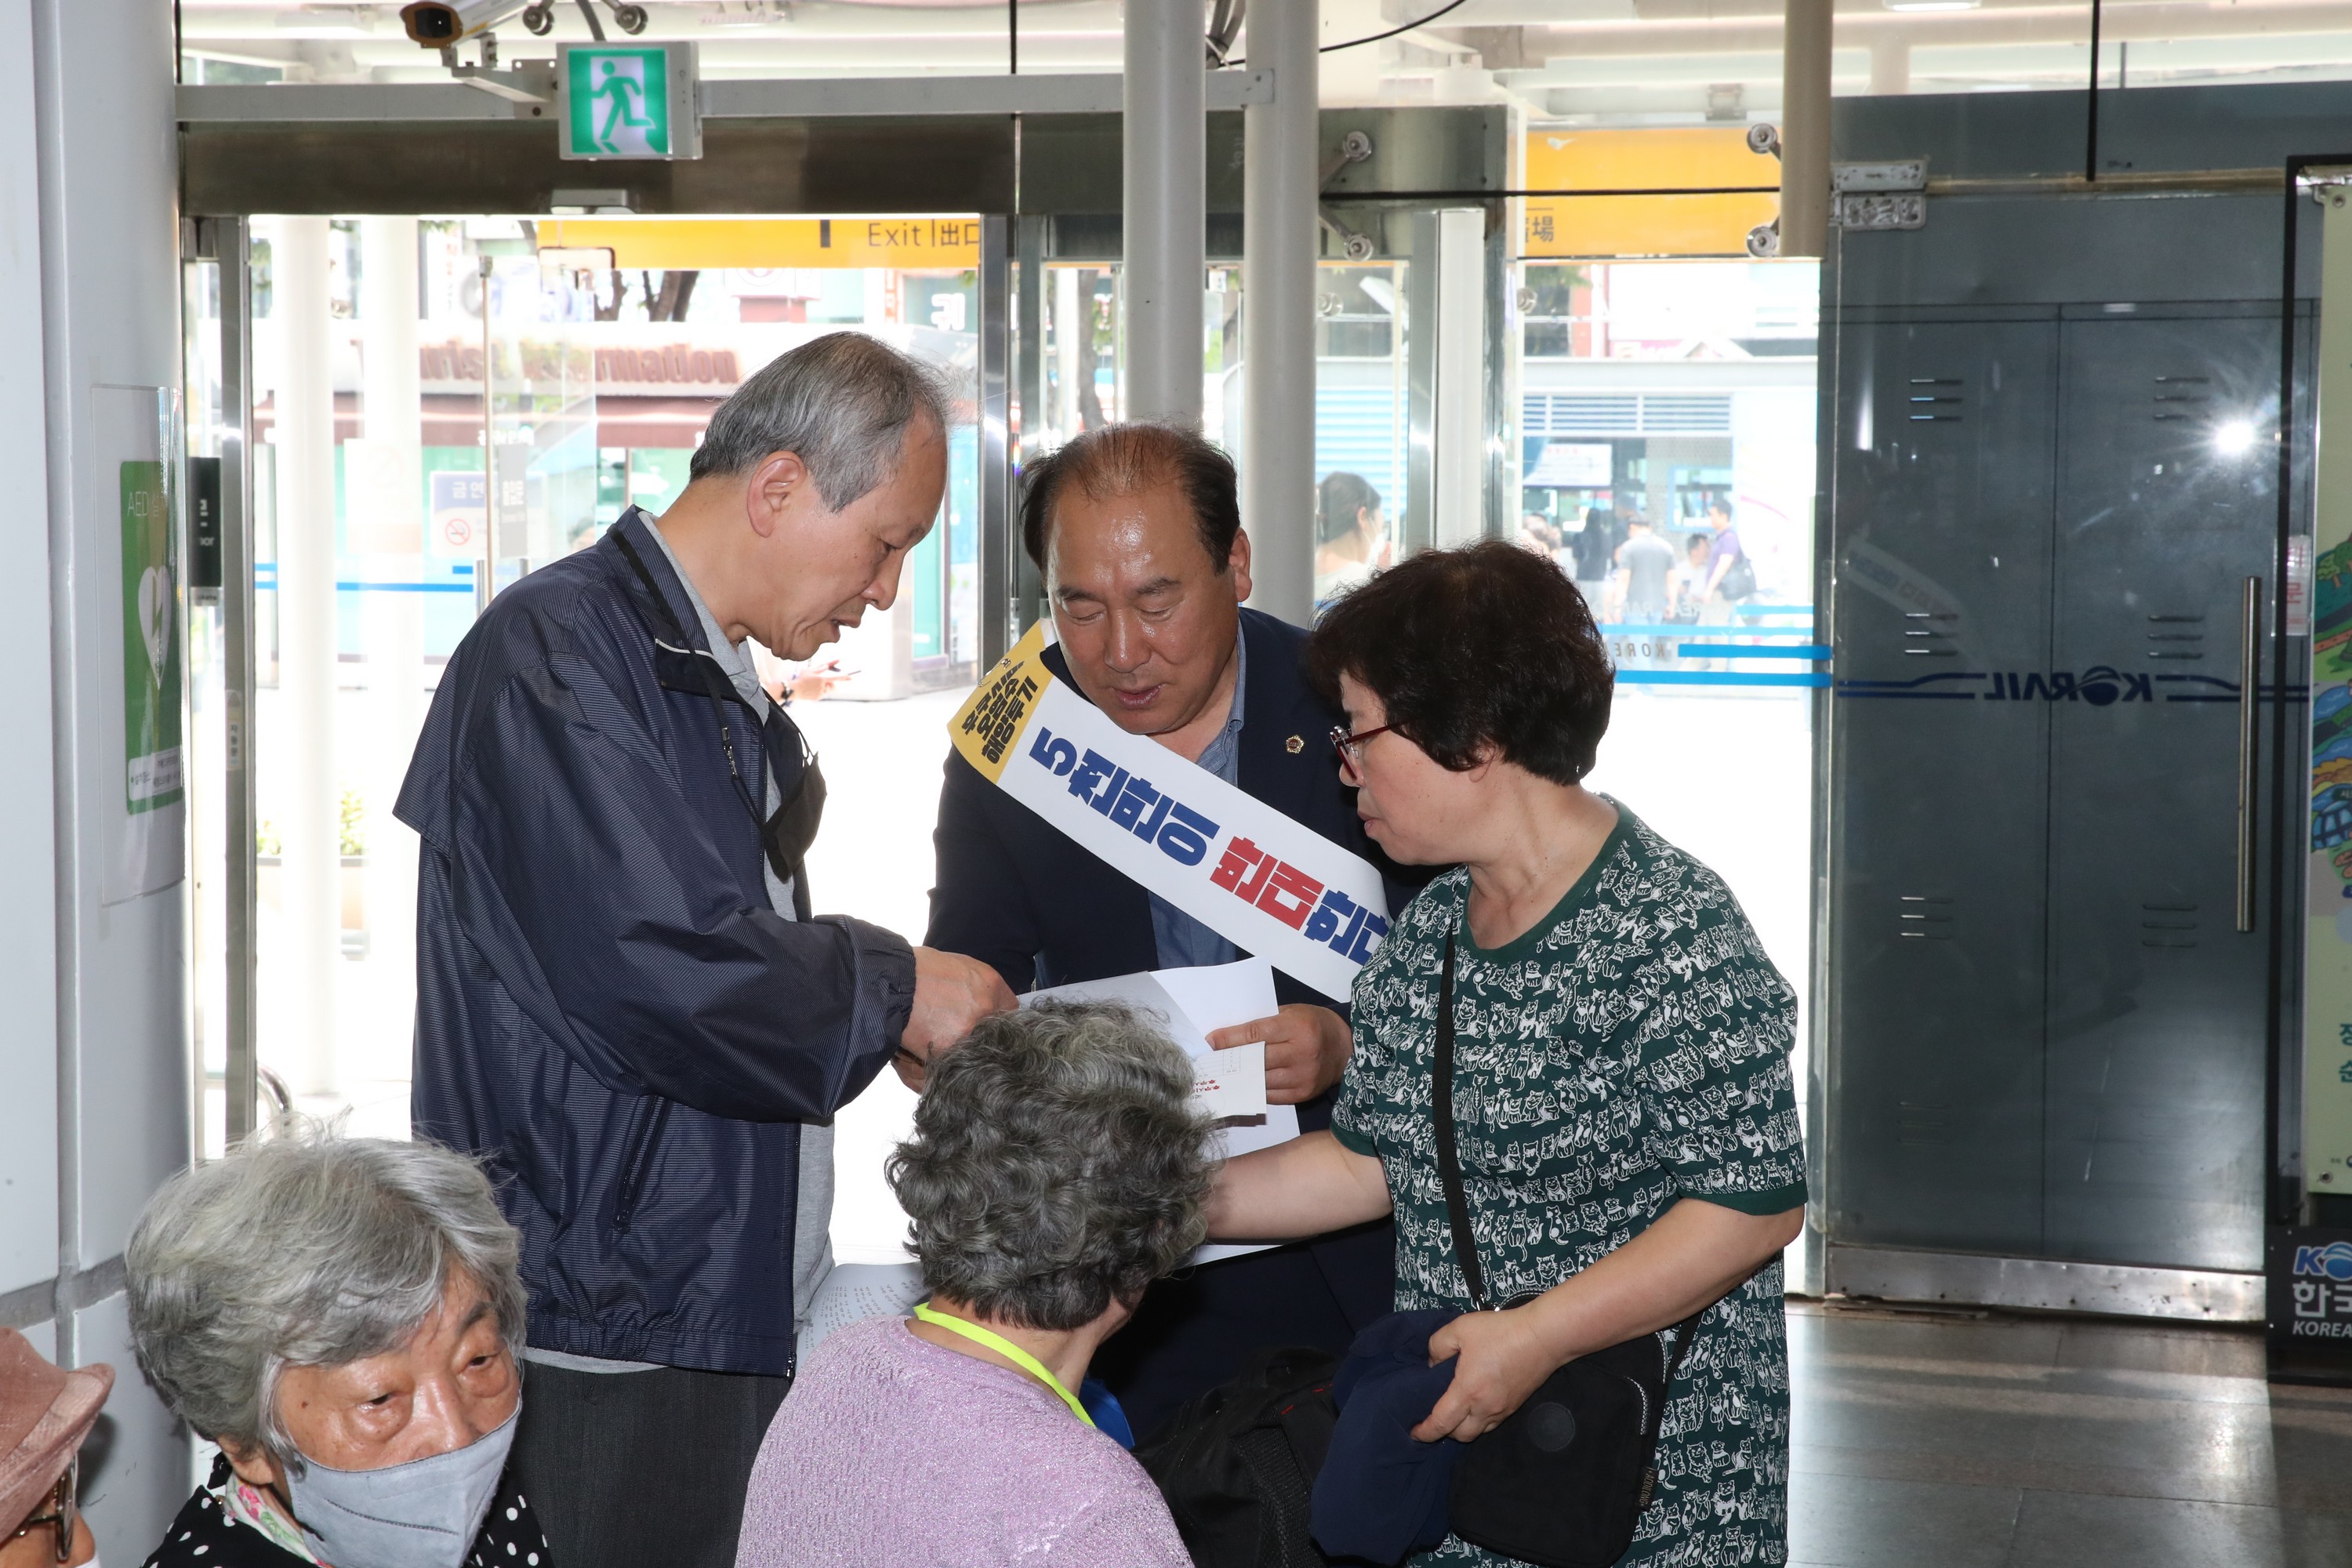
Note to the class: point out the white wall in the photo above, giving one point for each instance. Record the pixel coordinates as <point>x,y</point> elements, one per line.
<point>28,1055</point>
<point>97,991</point>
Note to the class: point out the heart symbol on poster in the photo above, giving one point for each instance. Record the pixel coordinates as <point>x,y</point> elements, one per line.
<point>155,615</point>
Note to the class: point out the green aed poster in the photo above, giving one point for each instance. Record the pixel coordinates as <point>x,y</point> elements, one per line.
<point>151,643</point>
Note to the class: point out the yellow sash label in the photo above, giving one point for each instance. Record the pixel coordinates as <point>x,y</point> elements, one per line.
<point>987,727</point>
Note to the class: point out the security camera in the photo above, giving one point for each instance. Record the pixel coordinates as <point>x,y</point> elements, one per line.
<point>438,24</point>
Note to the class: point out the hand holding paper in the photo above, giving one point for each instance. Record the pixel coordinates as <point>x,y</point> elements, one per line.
<point>1307,1049</point>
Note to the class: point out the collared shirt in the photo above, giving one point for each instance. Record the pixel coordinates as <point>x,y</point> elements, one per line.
<point>813,1224</point>
<point>736,661</point>
<point>1183,941</point>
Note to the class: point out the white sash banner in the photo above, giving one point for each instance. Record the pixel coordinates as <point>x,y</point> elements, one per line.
<point>1269,885</point>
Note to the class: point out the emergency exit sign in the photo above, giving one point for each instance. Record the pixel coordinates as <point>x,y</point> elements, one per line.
<point>628,100</point>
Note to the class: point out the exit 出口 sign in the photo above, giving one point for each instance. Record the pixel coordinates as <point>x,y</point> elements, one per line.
<point>628,100</point>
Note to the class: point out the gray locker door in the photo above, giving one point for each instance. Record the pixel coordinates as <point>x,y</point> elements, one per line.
<point>1942,511</point>
<point>2156,1055</point>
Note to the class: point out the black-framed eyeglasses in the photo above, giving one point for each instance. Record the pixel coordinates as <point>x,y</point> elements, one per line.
<point>64,1513</point>
<point>1352,747</point>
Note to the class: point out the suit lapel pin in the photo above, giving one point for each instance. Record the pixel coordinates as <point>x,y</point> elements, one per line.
<point>1293,745</point>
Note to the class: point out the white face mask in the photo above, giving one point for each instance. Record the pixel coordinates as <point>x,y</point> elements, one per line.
<point>422,1514</point>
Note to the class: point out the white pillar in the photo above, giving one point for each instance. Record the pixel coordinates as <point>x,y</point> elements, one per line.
<point>306,960</point>
<point>1890,66</point>
<point>1165,139</point>
<point>1074,348</point>
<point>388,500</point>
<point>1805,128</point>
<point>96,1054</point>
<point>1280,245</point>
<point>1459,426</point>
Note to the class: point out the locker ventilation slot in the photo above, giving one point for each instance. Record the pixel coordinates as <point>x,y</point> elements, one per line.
<point>2179,396</point>
<point>1918,1123</point>
<point>2167,925</point>
<point>1936,399</point>
<point>1925,642</point>
<point>1924,918</point>
<point>2175,640</point>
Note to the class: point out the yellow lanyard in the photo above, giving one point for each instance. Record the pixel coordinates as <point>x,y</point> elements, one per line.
<point>1007,1349</point>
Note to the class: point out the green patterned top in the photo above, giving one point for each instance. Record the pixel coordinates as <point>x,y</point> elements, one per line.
<point>1629,1051</point>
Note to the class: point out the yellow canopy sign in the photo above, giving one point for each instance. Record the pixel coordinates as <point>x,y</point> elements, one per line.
<point>912,243</point>
<point>1661,160</point>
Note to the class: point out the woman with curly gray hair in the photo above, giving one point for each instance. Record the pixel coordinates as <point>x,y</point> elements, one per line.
<point>340,1315</point>
<point>1058,1166</point>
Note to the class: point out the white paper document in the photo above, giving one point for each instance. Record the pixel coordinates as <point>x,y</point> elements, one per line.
<point>1192,1004</point>
<point>1232,1083</point>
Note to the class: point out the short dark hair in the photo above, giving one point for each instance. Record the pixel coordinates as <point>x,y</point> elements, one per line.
<point>1125,459</point>
<point>1339,499</point>
<point>1490,644</point>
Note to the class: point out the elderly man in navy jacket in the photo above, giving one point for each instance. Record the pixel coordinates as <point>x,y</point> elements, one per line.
<point>1138,532</point>
<point>625,1007</point>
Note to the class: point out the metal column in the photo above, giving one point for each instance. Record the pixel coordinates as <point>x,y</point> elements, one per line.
<point>1281,241</point>
<point>232,246</point>
<point>1165,164</point>
<point>1418,529</point>
<point>997,614</point>
<point>1805,128</point>
<point>1030,235</point>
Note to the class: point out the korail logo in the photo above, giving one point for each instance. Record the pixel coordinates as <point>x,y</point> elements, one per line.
<point>2333,1261</point>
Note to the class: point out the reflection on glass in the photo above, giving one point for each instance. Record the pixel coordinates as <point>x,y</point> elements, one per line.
<point>1666,463</point>
<point>392,355</point>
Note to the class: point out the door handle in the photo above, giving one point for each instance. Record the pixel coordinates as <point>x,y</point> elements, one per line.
<point>2250,636</point>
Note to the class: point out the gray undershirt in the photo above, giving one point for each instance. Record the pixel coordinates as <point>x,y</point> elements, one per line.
<point>813,1221</point>
<point>1181,941</point>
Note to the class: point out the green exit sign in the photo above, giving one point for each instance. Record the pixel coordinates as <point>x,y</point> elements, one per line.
<point>628,100</point>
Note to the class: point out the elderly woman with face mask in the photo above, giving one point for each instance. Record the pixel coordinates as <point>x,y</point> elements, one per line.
<point>341,1317</point>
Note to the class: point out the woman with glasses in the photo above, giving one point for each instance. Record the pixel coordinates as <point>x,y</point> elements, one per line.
<point>45,1413</point>
<point>341,1316</point>
<point>1624,1123</point>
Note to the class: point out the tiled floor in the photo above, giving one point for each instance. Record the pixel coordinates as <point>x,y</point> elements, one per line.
<point>1930,1441</point>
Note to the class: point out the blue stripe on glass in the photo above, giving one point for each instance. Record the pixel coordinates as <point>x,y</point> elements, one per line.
<point>1816,651</point>
<point>1718,677</point>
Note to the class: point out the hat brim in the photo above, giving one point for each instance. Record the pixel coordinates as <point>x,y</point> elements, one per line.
<point>32,1468</point>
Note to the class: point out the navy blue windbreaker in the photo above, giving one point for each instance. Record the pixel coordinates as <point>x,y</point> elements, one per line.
<point>609,1013</point>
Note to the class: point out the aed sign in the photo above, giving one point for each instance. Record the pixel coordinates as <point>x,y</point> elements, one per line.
<point>628,100</point>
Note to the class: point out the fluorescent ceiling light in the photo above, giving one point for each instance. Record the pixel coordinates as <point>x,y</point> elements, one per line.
<point>1931,4</point>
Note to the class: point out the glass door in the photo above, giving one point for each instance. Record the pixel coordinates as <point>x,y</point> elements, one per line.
<point>439,406</point>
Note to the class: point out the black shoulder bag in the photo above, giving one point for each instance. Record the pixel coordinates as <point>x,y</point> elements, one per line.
<point>1561,1482</point>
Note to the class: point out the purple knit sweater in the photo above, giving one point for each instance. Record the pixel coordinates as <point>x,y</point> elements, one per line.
<point>893,1452</point>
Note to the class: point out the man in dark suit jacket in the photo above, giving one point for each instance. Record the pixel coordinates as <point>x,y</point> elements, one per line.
<point>1138,532</point>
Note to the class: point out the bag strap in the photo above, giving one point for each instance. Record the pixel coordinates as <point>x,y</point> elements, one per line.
<point>1449,1158</point>
<point>1449,1170</point>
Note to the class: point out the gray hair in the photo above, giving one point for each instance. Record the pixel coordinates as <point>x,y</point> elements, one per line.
<point>304,1249</point>
<point>1058,1164</point>
<point>843,403</point>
